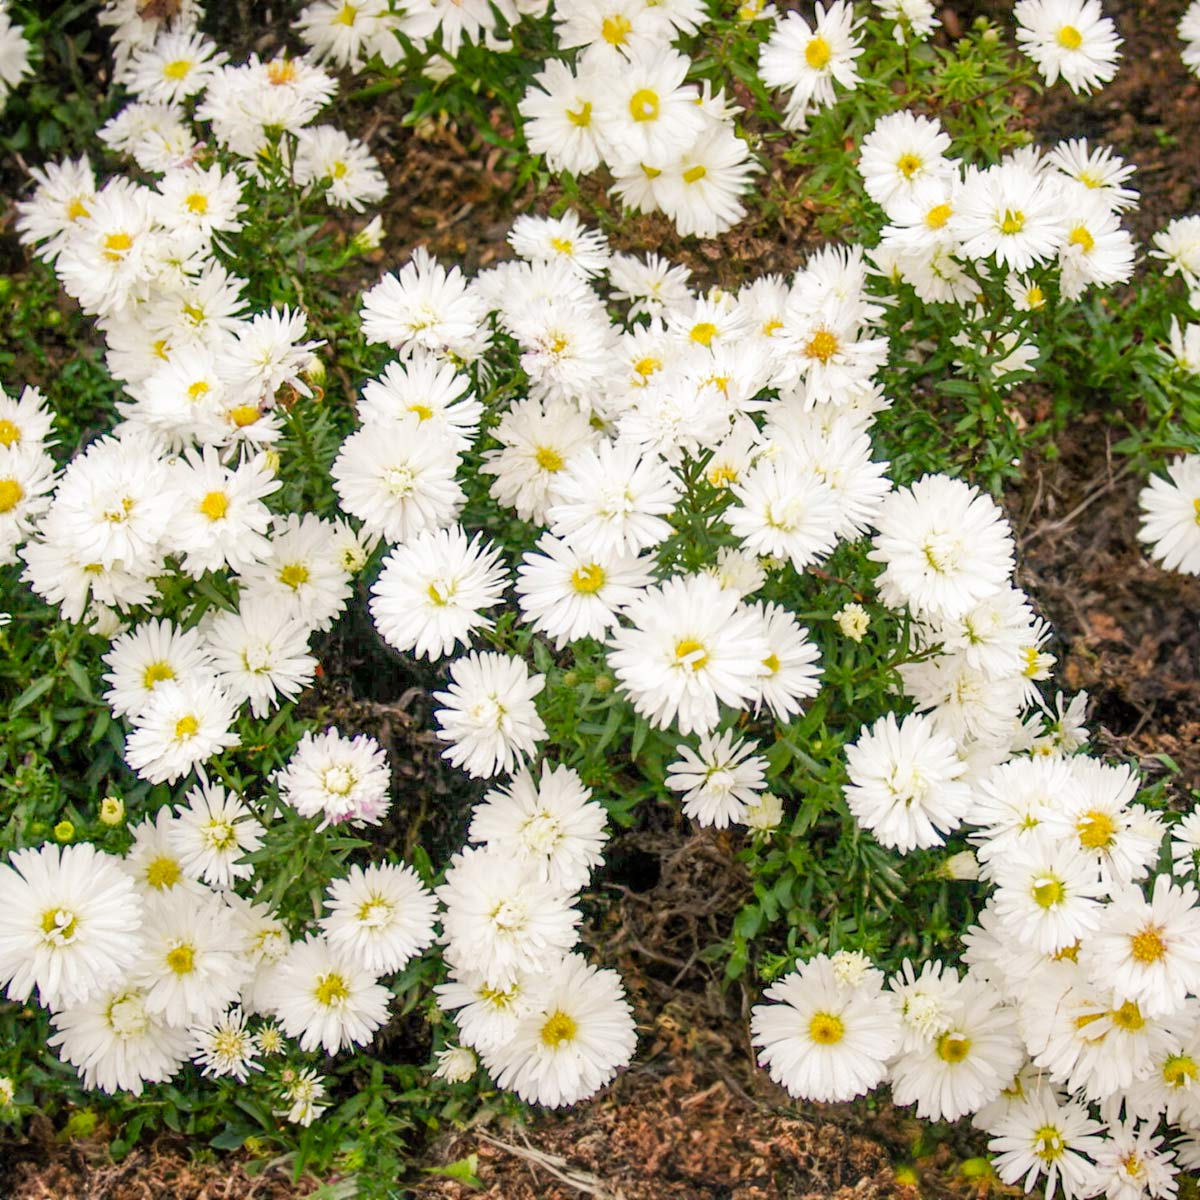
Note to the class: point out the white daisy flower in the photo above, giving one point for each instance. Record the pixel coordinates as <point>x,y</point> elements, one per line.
<point>824,1040</point>
<point>69,922</point>
<point>489,716</point>
<point>379,917</point>
<point>577,1039</point>
<point>212,833</point>
<point>1039,1137</point>
<point>720,781</point>
<point>1071,38</point>
<point>225,1047</point>
<point>338,778</point>
<point>184,723</point>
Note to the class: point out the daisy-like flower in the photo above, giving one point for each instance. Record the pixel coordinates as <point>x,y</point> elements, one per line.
<point>807,61</point>
<point>487,1016</point>
<point>701,190</point>
<point>945,546</point>
<point>1148,951</point>
<point>1130,1164</point>
<point>456,1064</point>
<point>226,1047</point>
<point>1189,33</point>
<point>270,351</point>
<point>1179,247</point>
<point>1048,898</point>
<point>260,653</point>
<point>502,917</point>
<point>822,1039</point>
<point>489,716</point>
<point>424,306</point>
<point>303,1093</point>
<point>1097,252</point>
<point>322,997</point>
<point>435,391</point>
<point>1071,38</point>
<point>25,421</point>
<point>1039,1137</point>
<point>342,30</point>
<point>48,218</point>
<point>301,573</point>
<point>184,723</point>
<point>690,645</point>
<point>379,917</point>
<point>341,779</point>
<point>968,1064</point>
<point>1010,212</point>
<point>153,862</point>
<point>650,283</point>
<point>221,519</point>
<point>559,121</point>
<point>342,165</point>
<point>926,1002</point>
<point>398,478</point>
<point>612,500</point>
<point>791,671</point>
<point>552,822</point>
<point>1098,169</point>
<point>720,781</point>
<point>577,1039</point>
<point>69,921</point>
<point>906,782</point>
<point>212,833</point>
<point>191,963</point>
<point>26,476</point>
<point>900,153</point>
<point>1171,515</point>
<point>565,238</point>
<point>117,1043</point>
<point>914,18</point>
<point>194,203</point>
<point>822,353</point>
<point>786,511</point>
<point>646,112</point>
<point>538,440</point>
<point>180,63</point>
<point>433,590</point>
<point>567,595</point>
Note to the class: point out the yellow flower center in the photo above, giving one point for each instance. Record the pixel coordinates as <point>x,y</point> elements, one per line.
<point>182,959</point>
<point>197,203</point>
<point>1128,1017</point>
<point>953,1047</point>
<point>156,672</point>
<point>345,15</point>
<point>1035,297</point>
<point>163,872</point>
<point>11,494</point>
<point>1147,946</point>
<point>588,580</point>
<point>690,653</point>
<point>1069,38</point>
<point>77,209</point>
<point>281,71</point>
<point>771,662</point>
<point>331,989</point>
<point>722,476</point>
<point>59,925</point>
<point>115,246</point>
<point>558,1028</point>
<point>614,29</point>
<point>244,414</point>
<point>1083,239</point>
<point>825,1029</point>
<point>703,332</point>
<point>695,174</point>
<point>339,170</point>
<point>644,105</point>
<point>818,53</point>
<point>293,575</point>
<point>1012,222</point>
<point>1047,892</point>
<point>909,164</point>
<point>1096,830</point>
<point>645,367</point>
<point>1180,1070</point>
<point>822,346</point>
<point>1047,1143</point>
<point>177,69</point>
<point>581,116</point>
<point>215,505</point>
<point>549,459</point>
<point>938,215</point>
<point>198,389</point>
<point>9,433</point>
<point>186,727</point>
